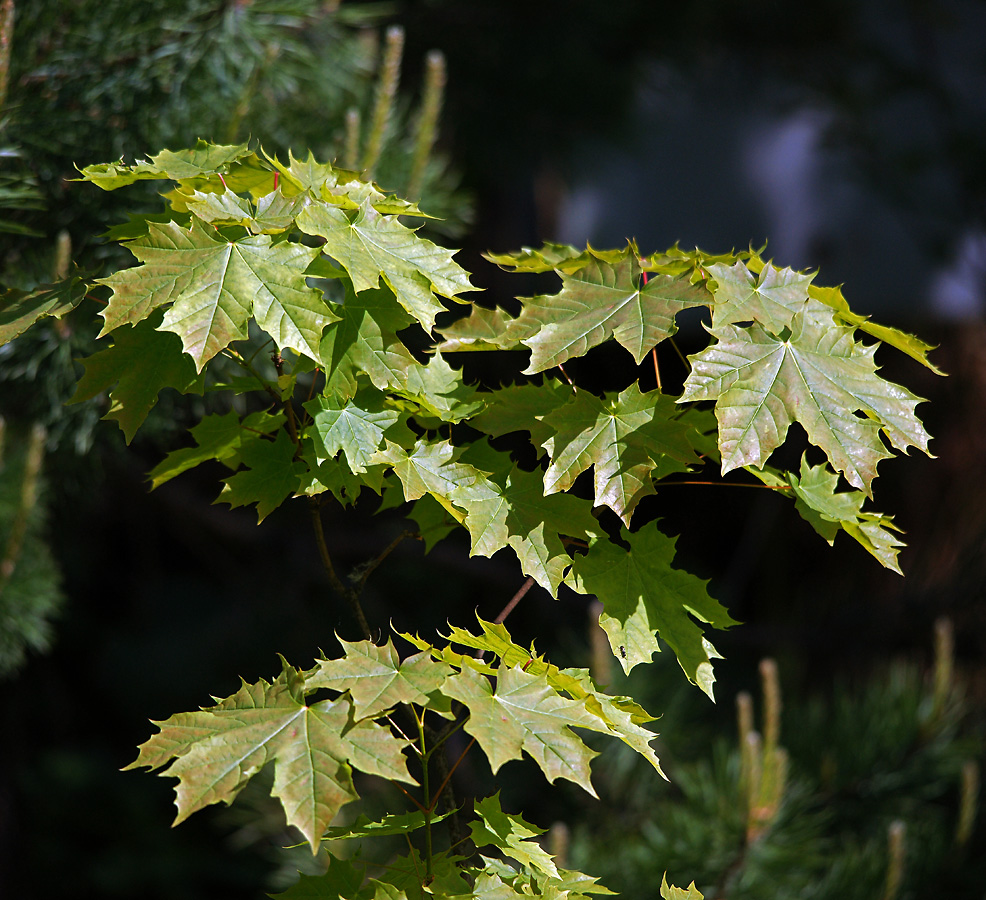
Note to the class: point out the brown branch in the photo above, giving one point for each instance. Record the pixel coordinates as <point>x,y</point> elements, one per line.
<point>524,588</point>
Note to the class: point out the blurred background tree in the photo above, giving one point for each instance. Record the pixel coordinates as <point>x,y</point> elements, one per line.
<point>850,134</point>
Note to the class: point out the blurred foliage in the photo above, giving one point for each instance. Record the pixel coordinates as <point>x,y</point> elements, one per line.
<point>30,593</point>
<point>875,793</point>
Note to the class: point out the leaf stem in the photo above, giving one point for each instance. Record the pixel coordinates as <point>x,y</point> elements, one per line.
<point>769,487</point>
<point>425,754</point>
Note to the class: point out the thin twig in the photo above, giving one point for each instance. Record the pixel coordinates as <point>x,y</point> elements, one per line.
<point>462,756</point>
<point>350,596</point>
<point>769,487</point>
<point>371,566</point>
<point>524,588</point>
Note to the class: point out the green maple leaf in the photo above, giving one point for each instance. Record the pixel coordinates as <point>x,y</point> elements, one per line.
<point>603,300</point>
<point>216,437</point>
<point>439,390</point>
<point>377,678</point>
<point>274,212</point>
<point>392,823</point>
<point>670,892</point>
<point>340,187</point>
<point>139,364</point>
<point>520,516</point>
<point>510,834</point>
<point>432,468</point>
<point>624,439</point>
<point>201,160</point>
<point>19,310</point>
<point>817,376</point>
<point>369,246</point>
<point>616,716</point>
<point>272,475</point>
<point>525,714</point>
<point>643,596</point>
<point>215,751</point>
<point>773,299</point>
<point>365,341</point>
<point>214,286</point>
<point>906,343</point>
<point>356,427</point>
<point>522,407</point>
<point>343,880</point>
<point>485,329</point>
<point>551,257</point>
<point>829,511</point>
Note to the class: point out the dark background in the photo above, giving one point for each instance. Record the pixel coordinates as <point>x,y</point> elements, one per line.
<point>851,136</point>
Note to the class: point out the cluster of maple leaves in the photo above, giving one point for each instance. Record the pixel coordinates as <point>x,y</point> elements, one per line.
<point>310,264</point>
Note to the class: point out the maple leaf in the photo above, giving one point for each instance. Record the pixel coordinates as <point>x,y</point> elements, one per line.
<point>216,437</point>
<point>623,438</point>
<point>365,341</point>
<point>203,159</point>
<point>817,376</point>
<point>215,751</point>
<point>522,407</point>
<point>525,714</point>
<point>773,299</point>
<point>342,880</point>
<point>603,300</point>
<point>829,511</point>
<point>520,516</point>
<point>356,427</point>
<point>274,212</point>
<point>643,596</point>
<point>369,245</point>
<point>616,716</point>
<point>551,257</point>
<point>19,309</point>
<point>907,343</point>
<point>272,475</point>
<point>377,678</point>
<point>439,390</point>
<point>140,363</point>
<point>214,286</point>
<point>432,468</point>
<point>510,834</point>
<point>670,892</point>
<point>485,329</point>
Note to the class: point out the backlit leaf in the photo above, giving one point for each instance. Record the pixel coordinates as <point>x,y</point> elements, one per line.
<point>603,300</point>
<point>817,376</point>
<point>623,438</point>
<point>369,245</point>
<point>523,713</point>
<point>643,596</point>
<point>272,475</point>
<point>216,751</point>
<point>19,310</point>
<point>377,678</point>
<point>214,286</point>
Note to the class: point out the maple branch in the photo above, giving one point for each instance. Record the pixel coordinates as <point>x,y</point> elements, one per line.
<point>462,756</point>
<point>348,594</point>
<point>524,588</point>
<point>359,576</point>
